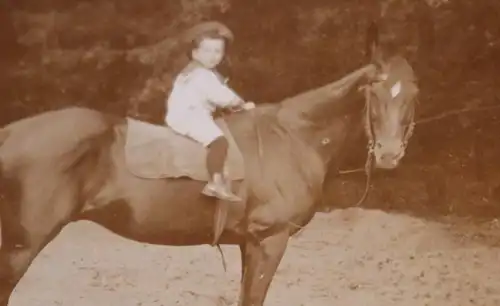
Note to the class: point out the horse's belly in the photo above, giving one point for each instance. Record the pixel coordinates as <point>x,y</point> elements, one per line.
<point>167,212</point>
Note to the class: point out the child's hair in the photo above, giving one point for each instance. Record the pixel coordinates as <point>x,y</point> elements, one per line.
<point>195,43</point>
<point>193,38</point>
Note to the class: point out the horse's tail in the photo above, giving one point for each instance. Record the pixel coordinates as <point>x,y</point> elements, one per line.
<point>13,234</point>
<point>4,134</point>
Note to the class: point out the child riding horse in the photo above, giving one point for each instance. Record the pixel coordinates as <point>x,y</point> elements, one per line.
<point>197,91</point>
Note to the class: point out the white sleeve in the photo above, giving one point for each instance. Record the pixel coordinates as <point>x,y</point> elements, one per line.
<point>216,91</point>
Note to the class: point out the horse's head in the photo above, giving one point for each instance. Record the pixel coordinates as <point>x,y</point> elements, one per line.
<point>390,107</point>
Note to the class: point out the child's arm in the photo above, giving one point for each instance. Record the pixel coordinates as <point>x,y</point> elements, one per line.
<point>216,91</point>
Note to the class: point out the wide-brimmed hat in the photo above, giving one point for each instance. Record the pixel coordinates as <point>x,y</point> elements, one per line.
<point>207,28</point>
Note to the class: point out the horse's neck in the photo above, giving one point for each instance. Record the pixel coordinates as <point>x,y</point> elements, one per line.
<point>315,112</point>
<point>320,103</point>
<point>321,118</point>
<point>270,130</point>
<point>316,106</point>
<point>331,120</point>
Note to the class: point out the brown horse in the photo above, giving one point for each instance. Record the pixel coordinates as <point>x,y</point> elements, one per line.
<point>70,164</point>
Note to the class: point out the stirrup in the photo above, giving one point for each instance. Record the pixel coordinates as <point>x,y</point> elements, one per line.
<point>222,193</point>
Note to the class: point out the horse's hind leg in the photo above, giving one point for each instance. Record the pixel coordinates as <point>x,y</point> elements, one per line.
<point>13,265</point>
<point>261,262</point>
<point>45,211</point>
<point>15,262</point>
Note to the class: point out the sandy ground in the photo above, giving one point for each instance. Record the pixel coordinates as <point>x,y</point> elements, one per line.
<point>347,258</point>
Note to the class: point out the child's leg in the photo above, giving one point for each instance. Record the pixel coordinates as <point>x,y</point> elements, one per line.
<point>209,134</point>
<point>216,156</point>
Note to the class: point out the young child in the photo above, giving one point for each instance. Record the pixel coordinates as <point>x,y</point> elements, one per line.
<point>197,91</point>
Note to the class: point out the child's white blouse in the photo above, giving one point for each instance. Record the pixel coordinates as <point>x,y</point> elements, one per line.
<point>197,93</point>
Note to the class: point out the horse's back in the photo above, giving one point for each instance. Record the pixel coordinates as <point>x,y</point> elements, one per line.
<point>67,115</point>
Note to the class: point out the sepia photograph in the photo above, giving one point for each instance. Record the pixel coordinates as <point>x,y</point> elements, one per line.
<point>250,153</point>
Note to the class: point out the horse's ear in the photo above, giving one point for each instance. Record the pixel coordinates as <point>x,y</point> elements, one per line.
<point>373,51</point>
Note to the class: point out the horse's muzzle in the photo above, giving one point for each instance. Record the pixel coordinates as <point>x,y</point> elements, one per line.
<point>387,161</point>
<point>388,158</point>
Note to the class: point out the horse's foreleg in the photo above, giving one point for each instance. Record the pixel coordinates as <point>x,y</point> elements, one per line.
<point>260,264</point>
<point>243,251</point>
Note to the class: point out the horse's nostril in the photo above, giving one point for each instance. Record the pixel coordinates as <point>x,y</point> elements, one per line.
<point>387,156</point>
<point>390,157</point>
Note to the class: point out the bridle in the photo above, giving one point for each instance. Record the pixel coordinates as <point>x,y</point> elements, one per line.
<point>369,89</point>
<point>368,127</point>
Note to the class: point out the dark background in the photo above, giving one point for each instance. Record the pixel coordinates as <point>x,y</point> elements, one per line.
<point>119,56</point>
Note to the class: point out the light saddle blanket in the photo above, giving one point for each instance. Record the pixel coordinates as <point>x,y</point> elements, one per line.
<point>156,151</point>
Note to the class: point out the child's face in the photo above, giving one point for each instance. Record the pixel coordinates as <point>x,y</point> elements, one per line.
<point>209,52</point>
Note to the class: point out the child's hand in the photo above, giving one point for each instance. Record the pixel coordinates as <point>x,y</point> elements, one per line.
<point>248,106</point>
<point>243,107</point>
